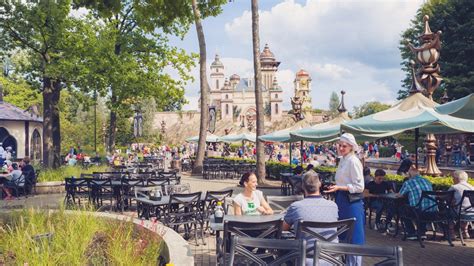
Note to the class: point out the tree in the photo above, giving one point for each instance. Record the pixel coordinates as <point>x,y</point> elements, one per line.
<point>333,103</point>
<point>135,52</point>
<point>258,93</point>
<point>369,108</point>
<point>53,42</point>
<point>20,93</point>
<point>455,19</point>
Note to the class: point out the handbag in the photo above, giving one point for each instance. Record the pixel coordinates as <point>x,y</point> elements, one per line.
<point>353,197</point>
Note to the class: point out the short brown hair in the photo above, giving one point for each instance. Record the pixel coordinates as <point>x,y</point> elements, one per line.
<point>26,159</point>
<point>311,182</point>
<point>379,172</point>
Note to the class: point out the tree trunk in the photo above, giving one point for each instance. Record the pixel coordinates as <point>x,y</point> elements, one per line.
<point>204,91</point>
<point>51,123</point>
<point>112,126</point>
<point>258,93</point>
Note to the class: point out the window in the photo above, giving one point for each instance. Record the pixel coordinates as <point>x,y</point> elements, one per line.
<point>217,84</point>
<point>276,96</point>
<point>304,93</point>
<point>276,108</point>
<point>217,69</point>
<point>227,109</point>
<point>36,145</point>
<point>226,96</point>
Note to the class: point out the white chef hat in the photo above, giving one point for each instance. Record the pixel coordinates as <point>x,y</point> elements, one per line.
<point>349,139</point>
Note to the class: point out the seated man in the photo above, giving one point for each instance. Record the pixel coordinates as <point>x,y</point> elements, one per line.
<point>15,176</point>
<point>413,188</point>
<point>405,165</point>
<point>373,190</point>
<point>313,207</point>
<point>460,184</point>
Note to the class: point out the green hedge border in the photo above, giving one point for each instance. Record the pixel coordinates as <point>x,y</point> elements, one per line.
<point>275,168</point>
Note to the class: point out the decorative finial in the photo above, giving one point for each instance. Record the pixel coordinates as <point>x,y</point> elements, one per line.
<point>415,84</point>
<point>341,108</point>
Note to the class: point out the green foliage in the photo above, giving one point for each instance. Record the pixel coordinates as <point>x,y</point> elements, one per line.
<point>19,93</point>
<point>386,152</point>
<point>369,108</point>
<point>333,103</point>
<point>78,239</point>
<point>455,19</point>
<point>47,175</point>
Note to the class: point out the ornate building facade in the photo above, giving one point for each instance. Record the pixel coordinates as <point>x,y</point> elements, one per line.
<point>234,97</point>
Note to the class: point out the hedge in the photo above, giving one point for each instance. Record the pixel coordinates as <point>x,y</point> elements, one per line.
<point>273,170</point>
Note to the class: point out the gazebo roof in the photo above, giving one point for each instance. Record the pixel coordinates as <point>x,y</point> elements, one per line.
<point>11,112</point>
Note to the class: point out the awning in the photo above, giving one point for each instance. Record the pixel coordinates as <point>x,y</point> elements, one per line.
<point>284,134</point>
<point>416,111</point>
<point>238,138</point>
<point>461,108</point>
<point>209,138</point>
<point>327,131</point>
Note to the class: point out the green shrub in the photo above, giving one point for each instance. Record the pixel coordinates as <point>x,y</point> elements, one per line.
<point>386,152</point>
<point>77,239</point>
<point>68,171</point>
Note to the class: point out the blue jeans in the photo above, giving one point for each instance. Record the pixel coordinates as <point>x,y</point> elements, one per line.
<point>379,206</point>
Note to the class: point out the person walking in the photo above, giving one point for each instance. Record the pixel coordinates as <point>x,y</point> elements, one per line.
<point>349,187</point>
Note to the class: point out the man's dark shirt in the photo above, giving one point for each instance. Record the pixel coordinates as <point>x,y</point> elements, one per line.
<point>405,166</point>
<point>29,172</point>
<point>377,189</point>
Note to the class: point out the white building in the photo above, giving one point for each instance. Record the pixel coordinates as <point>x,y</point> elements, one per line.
<point>234,97</point>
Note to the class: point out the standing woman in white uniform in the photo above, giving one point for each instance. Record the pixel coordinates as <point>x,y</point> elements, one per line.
<point>350,180</point>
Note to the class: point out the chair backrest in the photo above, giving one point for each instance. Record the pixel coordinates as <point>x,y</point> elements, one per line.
<point>306,228</point>
<point>281,203</point>
<point>212,197</point>
<point>157,182</point>
<point>101,185</point>
<point>332,253</point>
<point>276,251</point>
<point>185,203</point>
<point>468,196</point>
<point>267,229</point>
<point>437,201</point>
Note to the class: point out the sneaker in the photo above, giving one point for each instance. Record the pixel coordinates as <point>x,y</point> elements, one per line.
<point>423,237</point>
<point>413,237</point>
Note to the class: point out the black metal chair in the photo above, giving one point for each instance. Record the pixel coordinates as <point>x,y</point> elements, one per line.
<point>77,189</point>
<point>323,231</point>
<point>465,214</point>
<point>184,209</point>
<point>101,189</point>
<point>439,211</point>
<point>334,252</point>
<point>127,193</point>
<point>267,229</point>
<point>281,203</point>
<point>272,251</point>
<point>18,186</point>
<point>210,203</point>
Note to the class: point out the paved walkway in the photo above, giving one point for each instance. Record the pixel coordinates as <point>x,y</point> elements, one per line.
<point>435,252</point>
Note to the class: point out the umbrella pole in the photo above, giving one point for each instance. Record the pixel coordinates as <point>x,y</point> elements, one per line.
<point>301,152</point>
<point>290,155</point>
<point>417,135</point>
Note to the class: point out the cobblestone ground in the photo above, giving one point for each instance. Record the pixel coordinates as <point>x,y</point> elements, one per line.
<point>435,252</point>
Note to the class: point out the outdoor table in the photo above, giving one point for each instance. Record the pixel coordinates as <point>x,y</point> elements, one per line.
<point>159,204</point>
<point>393,201</point>
<point>218,227</point>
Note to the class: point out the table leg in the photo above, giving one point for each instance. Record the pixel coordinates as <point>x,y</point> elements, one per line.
<point>219,248</point>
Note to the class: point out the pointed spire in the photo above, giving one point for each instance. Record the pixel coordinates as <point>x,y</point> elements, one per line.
<point>415,84</point>
<point>427,32</point>
<point>341,108</point>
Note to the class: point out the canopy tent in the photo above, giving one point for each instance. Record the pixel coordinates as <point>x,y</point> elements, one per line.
<point>209,138</point>
<point>461,108</point>
<point>284,134</point>
<point>414,112</point>
<point>321,132</point>
<point>238,138</point>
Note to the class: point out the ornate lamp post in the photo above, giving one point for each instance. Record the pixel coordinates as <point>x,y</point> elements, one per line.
<point>138,124</point>
<point>429,78</point>
<point>249,122</point>
<point>297,106</point>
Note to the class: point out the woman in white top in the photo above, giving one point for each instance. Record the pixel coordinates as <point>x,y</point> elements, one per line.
<point>350,180</point>
<point>251,200</point>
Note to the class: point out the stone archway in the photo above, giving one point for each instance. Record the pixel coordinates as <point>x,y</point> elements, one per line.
<point>8,140</point>
<point>36,146</point>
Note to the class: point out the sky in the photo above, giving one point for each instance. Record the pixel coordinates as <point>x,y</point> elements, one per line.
<point>349,45</point>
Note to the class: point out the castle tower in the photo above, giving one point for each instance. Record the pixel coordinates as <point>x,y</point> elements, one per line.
<point>227,106</point>
<point>276,101</point>
<point>303,88</point>
<point>216,81</point>
<point>269,67</point>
